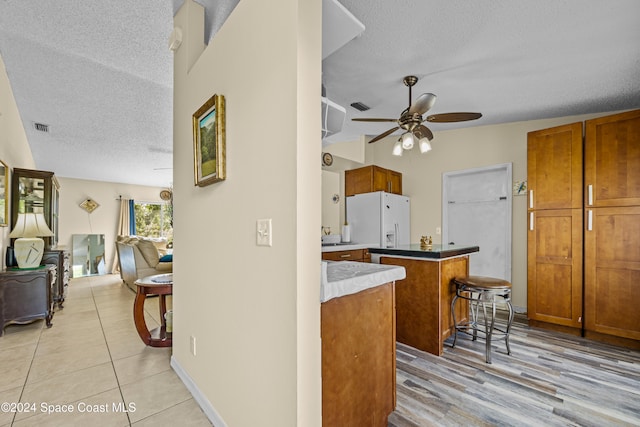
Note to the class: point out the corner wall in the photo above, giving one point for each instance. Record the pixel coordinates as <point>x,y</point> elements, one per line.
<point>254,311</point>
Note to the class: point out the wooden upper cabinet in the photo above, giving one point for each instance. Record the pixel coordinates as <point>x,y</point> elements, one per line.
<point>372,178</point>
<point>554,167</point>
<point>612,160</point>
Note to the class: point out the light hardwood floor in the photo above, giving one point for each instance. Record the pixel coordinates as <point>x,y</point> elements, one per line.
<point>550,379</point>
<point>92,359</point>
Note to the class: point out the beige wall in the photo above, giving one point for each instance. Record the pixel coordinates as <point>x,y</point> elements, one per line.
<point>14,148</point>
<point>103,220</point>
<point>331,210</point>
<point>254,311</point>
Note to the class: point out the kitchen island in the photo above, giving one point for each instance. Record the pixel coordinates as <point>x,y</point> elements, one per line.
<point>358,342</point>
<point>423,299</point>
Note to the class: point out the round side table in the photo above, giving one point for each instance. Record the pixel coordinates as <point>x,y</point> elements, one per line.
<point>161,285</point>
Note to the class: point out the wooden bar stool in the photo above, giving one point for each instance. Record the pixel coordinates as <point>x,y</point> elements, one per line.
<point>483,291</point>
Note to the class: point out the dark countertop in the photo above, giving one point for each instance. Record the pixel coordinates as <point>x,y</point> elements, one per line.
<point>436,252</point>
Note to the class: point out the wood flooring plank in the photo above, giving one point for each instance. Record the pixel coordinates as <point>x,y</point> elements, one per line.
<point>550,379</point>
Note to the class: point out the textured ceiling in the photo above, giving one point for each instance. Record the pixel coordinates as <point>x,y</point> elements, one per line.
<point>510,60</point>
<point>100,73</point>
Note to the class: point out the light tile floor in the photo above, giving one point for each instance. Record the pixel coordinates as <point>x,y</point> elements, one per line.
<point>93,362</point>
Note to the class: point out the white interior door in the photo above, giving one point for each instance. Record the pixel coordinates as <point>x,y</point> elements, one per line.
<point>476,210</point>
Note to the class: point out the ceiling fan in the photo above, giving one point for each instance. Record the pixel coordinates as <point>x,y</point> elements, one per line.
<point>411,120</point>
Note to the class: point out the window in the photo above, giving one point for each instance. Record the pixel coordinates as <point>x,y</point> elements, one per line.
<point>154,220</point>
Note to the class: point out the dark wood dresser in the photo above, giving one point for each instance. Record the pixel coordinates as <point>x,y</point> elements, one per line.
<point>59,258</point>
<point>26,295</point>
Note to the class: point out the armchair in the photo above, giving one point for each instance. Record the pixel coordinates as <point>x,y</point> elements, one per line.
<point>139,257</point>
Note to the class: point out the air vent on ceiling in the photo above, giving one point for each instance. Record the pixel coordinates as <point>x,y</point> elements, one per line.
<point>41,127</point>
<point>360,106</point>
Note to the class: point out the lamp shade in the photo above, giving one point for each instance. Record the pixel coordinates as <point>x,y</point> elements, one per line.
<point>407,140</point>
<point>30,225</point>
<point>424,144</point>
<point>397,148</point>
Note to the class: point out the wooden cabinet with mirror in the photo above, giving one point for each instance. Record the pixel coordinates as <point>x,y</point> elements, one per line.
<point>36,191</point>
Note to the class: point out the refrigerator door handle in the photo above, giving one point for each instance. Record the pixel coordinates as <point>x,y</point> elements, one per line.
<point>396,239</point>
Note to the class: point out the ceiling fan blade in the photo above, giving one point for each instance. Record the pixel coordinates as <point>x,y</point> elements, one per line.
<point>382,135</point>
<point>374,120</point>
<point>453,117</point>
<point>423,103</point>
<point>424,131</point>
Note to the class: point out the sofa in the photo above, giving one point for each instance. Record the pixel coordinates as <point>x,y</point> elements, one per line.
<point>140,257</point>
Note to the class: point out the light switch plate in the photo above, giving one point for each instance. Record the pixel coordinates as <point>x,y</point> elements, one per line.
<point>263,232</point>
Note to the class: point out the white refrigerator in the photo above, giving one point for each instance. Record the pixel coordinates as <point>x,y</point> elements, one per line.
<point>379,217</point>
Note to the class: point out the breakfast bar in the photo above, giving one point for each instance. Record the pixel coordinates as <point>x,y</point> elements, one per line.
<point>358,343</point>
<point>423,298</point>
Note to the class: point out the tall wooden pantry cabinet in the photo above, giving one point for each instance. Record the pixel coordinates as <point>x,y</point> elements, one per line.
<point>554,238</point>
<point>612,231</point>
<point>584,245</point>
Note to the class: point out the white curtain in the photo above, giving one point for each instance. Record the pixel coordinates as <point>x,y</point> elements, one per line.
<point>124,227</point>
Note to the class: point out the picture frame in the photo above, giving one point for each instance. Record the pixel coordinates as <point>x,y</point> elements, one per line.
<point>209,151</point>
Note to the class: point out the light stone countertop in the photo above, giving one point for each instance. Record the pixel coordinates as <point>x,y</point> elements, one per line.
<point>348,247</point>
<point>342,278</point>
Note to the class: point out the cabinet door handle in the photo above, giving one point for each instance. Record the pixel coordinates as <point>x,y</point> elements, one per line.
<point>530,199</point>
<point>345,256</point>
<point>531,221</point>
<point>590,194</point>
<point>589,220</point>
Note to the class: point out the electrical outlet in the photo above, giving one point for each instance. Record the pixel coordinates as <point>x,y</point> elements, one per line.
<point>438,230</point>
<point>193,345</point>
<point>263,232</point>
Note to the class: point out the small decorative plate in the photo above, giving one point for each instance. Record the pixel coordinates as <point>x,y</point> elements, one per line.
<point>89,205</point>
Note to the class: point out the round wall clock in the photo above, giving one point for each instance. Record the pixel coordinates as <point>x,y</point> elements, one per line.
<point>165,195</point>
<point>327,159</point>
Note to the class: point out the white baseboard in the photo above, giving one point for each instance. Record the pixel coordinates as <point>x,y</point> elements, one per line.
<point>202,401</point>
<point>520,310</point>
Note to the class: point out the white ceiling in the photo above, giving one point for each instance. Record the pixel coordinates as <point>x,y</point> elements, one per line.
<point>100,73</point>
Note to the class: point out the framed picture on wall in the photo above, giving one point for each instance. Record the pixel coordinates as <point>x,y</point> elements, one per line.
<point>209,142</point>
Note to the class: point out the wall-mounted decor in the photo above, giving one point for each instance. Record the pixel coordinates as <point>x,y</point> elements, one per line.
<point>209,142</point>
<point>89,205</point>
<point>519,188</point>
<point>4,194</point>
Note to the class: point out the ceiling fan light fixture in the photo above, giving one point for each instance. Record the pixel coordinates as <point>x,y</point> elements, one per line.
<point>424,144</point>
<point>397,148</point>
<point>407,140</point>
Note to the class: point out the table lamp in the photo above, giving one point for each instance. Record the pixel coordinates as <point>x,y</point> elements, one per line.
<point>29,247</point>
